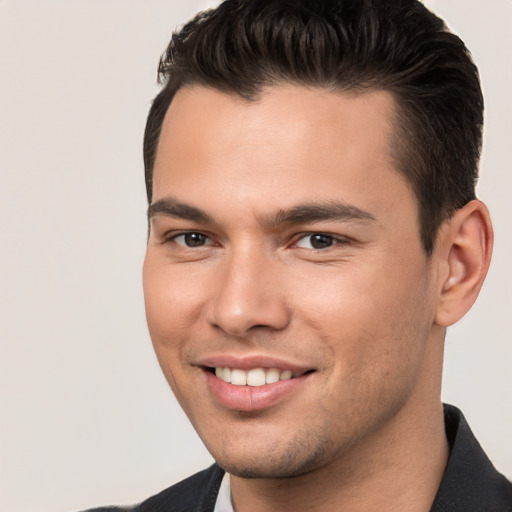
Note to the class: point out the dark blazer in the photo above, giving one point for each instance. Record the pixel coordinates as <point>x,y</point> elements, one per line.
<point>470,482</point>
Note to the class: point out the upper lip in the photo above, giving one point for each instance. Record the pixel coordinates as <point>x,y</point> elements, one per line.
<point>248,362</point>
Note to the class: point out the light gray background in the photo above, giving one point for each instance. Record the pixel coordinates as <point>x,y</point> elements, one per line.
<point>85,416</point>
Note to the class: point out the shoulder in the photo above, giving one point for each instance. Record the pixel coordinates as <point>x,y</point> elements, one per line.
<point>196,493</point>
<point>470,482</point>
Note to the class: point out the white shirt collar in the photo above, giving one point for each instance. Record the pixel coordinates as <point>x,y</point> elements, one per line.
<point>223,503</point>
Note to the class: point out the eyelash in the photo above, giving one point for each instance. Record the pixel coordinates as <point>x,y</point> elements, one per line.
<point>332,239</point>
<point>173,237</point>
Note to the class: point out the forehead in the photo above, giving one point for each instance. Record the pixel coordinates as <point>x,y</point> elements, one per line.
<point>293,141</point>
<point>285,112</point>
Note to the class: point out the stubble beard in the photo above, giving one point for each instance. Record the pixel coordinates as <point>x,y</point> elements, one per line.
<point>311,447</point>
<point>302,454</point>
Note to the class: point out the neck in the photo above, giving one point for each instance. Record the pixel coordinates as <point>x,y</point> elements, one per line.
<point>398,469</point>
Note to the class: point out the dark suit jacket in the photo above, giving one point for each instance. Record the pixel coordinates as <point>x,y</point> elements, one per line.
<point>470,482</point>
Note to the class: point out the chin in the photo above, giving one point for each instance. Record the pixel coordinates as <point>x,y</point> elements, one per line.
<point>287,464</point>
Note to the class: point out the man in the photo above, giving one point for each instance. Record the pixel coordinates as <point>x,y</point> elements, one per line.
<point>313,231</point>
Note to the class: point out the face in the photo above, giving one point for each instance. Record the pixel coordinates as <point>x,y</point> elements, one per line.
<point>288,297</point>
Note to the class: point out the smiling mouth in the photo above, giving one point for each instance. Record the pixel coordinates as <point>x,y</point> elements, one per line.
<point>254,377</point>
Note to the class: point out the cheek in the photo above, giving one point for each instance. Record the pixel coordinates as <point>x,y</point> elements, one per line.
<point>374,350</point>
<point>166,313</point>
<point>165,320</point>
<point>172,302</point>
<point>370,315</point>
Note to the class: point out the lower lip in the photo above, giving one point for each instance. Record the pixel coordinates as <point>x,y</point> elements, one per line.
<point>251,398</point>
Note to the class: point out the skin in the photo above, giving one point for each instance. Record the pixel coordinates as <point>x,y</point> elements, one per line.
<point>234,274</point>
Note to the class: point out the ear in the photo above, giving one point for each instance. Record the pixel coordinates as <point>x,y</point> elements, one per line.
<point>464,248</point>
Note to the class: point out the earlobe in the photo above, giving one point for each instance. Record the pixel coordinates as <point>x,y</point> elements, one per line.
<point>465,247</point>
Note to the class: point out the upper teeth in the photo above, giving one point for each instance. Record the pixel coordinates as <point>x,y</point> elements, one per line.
<point>254,377</point>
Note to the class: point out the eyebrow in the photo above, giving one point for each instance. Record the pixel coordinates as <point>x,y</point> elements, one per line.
<point>170,207</point>
<point>300,214</point>
<point>319,211</point>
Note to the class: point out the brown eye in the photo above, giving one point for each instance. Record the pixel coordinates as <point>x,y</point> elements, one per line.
<point>316,241</point>
<point>191,239</point>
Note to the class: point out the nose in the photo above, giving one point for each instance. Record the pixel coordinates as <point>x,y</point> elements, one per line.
<point>248,296</point>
